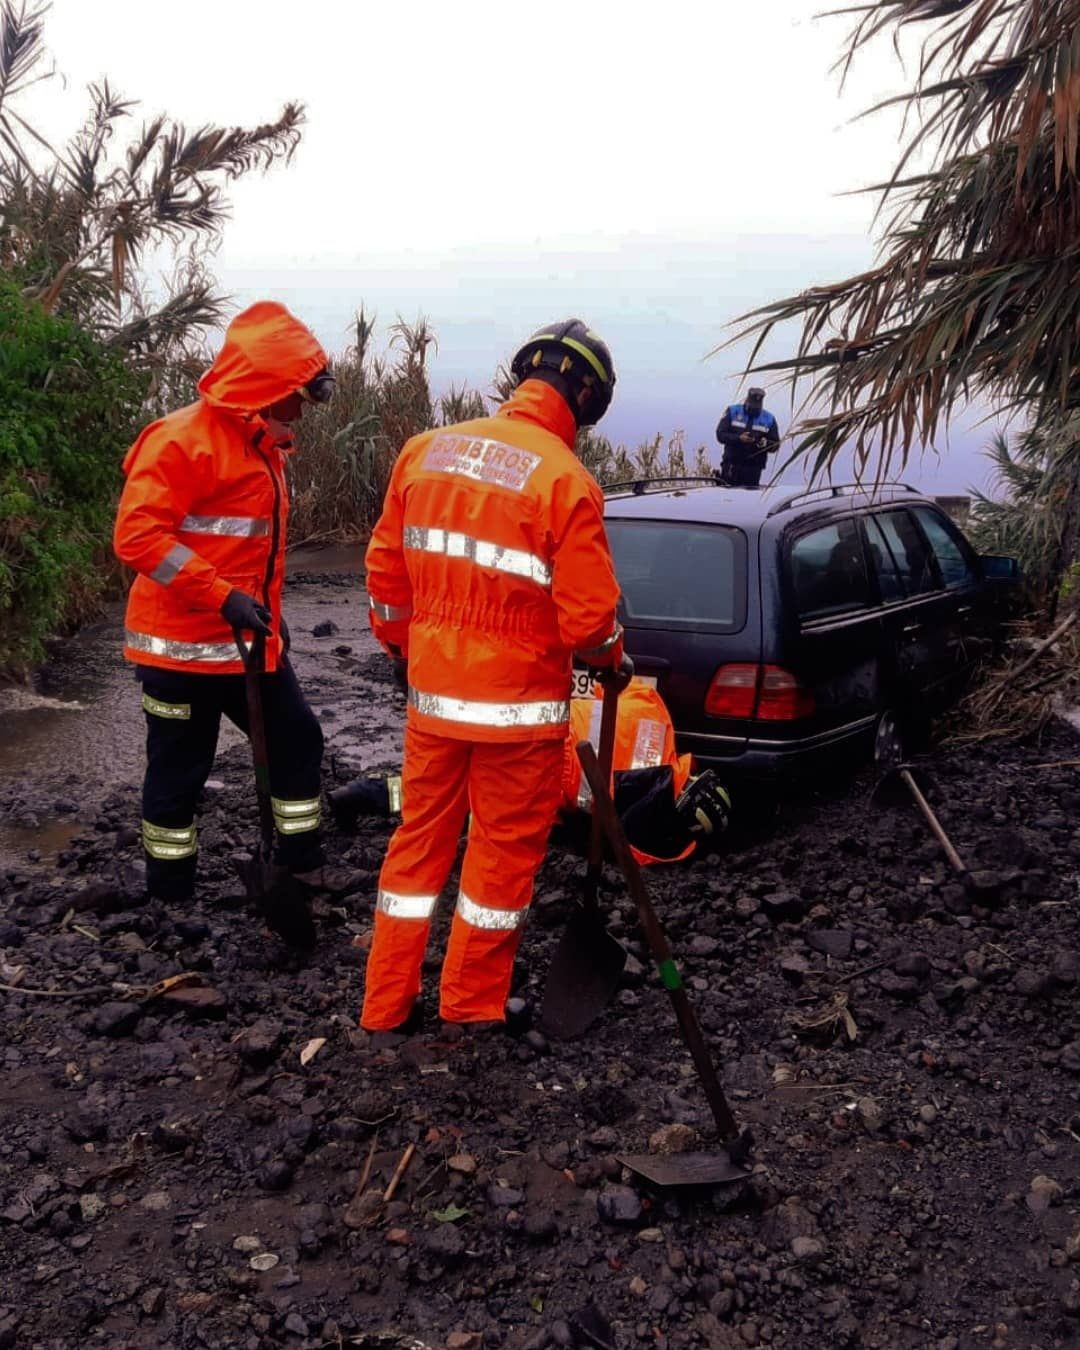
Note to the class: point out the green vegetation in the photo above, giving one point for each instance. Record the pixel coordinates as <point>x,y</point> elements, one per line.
<point>66,403</point>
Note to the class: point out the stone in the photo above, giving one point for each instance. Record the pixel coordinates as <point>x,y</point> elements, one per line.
<point>275,1175</point>
<point>87,1124</point>
<point>117,1019</point>
<point>156,1202</point>
<point>197,1001</point>
<point>260,1043</point>
<point>247,1243</point>
<point>807,1248</point>
<point>398,1237</point>
<point>174,1136</point>
<point>1070,1057</point>
<point>296,1326</point>
<point>834,942</point>
<point>327,628</point>
<point>651,1235</point>
<point>91,1207</point>
<point>912,966</point>
<point>675,1138</point>
<point>619,1204</point>
<point>702,946</point>
<point>444,1243</point>
<point>784,906</point>
<point>1031,983</point>
<point>540,1225</point>
<point>1043,1193</point>
<point>871,1113</point>
<point>152,1301</point>
<point>464,1340</point>
<point>463,1163</point>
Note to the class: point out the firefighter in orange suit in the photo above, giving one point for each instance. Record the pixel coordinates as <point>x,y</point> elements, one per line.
<point>202,522</point>
<point>666,809</point>
<point>488,569</point>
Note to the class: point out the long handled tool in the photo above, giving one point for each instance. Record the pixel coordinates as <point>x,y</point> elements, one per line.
<point>278,897</point>
<point>892,787</point>
<point>588,963</point>
<point>679,1169</point>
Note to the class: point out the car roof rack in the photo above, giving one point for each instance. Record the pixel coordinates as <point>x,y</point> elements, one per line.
<point>638,486</point>
<point>834,490</point>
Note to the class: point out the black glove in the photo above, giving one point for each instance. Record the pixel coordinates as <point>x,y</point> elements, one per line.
<point>243,611</point>
<point>617,677</point>
<point>285,638</point>
<point>400,669</point>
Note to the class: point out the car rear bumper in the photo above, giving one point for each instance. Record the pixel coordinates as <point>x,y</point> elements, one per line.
<point>761,758</point>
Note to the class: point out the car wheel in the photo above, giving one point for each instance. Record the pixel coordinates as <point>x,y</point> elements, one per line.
<point>888,741</point>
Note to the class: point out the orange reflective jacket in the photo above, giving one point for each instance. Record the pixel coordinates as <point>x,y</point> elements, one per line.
<point>489,568</point>
<point>644,739</point>
<point>205,503</point>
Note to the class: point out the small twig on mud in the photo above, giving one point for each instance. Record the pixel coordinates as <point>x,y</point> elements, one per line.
<point>866,970</point>
<point>1058,764</point>
<point>395,1180</point>
<point>422,1189</point>
<point>92,991</point>
<point>365,1175</point>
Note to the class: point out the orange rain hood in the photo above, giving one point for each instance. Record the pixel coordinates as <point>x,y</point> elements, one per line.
<point>267,355</point>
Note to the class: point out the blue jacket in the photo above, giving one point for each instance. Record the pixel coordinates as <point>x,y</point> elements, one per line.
<point>737,420</point>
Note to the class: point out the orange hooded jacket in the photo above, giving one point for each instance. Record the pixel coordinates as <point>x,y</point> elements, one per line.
<point>644,739</point>
<point>489,567</point>
<point>205,503</point>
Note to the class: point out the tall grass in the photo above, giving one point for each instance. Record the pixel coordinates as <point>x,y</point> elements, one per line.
<point>346,450</point>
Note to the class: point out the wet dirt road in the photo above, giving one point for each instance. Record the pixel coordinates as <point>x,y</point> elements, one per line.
<point>81,729</point>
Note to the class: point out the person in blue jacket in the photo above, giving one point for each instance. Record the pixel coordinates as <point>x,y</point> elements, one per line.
<point>748,434</point>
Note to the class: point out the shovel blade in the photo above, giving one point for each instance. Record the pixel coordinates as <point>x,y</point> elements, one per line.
<point>280,900</point>
<point>684,1169</point>
<point>583,976</point>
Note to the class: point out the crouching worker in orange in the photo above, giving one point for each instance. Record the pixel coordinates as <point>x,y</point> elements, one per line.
<point>667,811</point>
<point>488,569</point>
<point>202,522</point>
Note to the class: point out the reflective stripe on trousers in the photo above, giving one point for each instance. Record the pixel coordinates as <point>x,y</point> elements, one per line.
<point>400,906</point>
<point>294,817</point>
<point>483,552</point>
<point>175,650</point>
<point>169,844</point>
<point>474,713</point>
<point>489,917</point>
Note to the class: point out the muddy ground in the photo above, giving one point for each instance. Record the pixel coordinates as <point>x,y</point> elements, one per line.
<point>172,1173</point>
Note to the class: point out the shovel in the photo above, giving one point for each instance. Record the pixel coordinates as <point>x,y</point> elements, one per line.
<point>588,963</point>
<point>897,786</point>
<point>279,898</point>
<point>685,1169</point>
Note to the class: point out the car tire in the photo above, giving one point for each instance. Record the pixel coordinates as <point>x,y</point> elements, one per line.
<point>889,741</point>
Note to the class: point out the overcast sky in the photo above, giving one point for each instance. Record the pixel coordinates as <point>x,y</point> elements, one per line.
<point>657,169</point>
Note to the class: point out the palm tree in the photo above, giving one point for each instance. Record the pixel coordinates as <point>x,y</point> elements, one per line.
<point>976,289</point>
<point>75,231</point>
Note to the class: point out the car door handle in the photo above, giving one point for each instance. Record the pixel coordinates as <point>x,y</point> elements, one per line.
<point>912,628</point>
<point>964,609</point>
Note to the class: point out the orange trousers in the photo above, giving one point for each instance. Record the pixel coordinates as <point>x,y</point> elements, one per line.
<point>511,793</point>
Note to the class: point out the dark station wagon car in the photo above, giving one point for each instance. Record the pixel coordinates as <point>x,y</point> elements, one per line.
<point>795,630</point>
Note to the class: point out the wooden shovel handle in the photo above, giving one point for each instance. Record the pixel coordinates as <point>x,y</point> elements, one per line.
<point>936,828</point>
<point>604,811</point>
<point>609,715</point>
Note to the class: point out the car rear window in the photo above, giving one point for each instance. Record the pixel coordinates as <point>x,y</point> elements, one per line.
<point>680,575</point>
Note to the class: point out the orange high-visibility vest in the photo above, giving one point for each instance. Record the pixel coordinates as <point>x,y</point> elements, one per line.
<point>644,739</point>
<point>489,567</point>
<point>204,506</point>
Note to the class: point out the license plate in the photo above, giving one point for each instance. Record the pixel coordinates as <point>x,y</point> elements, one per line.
<point>581,686</point>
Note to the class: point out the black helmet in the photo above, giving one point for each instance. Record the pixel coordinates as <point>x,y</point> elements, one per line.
<point>571,350</point>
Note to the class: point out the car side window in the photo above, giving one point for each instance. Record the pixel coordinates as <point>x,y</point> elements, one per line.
<point>828,571</point>
<point>888,577</point>
<point>953,561</point>
<point>910,556</point>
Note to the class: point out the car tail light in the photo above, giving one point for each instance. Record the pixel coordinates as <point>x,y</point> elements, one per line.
<point>733,692</point>
<point>758,693</point>
<point>782,698</point>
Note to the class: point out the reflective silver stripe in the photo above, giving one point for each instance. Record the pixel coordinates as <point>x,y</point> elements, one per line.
<point>540,714</point>
<point>181,651</point>
<point>400,906</point>
<point>177,712</point>
<point>233,527</point>
<point>296,817</point>
<point>586,652</point>
<point>172,562</point>
<point>487,916</point>
<point>515,561</point>
<point>648,744</point>
<point>584,797</point>
<point>390,612</point>
<point>169,845</point>
<point>393,788</point>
